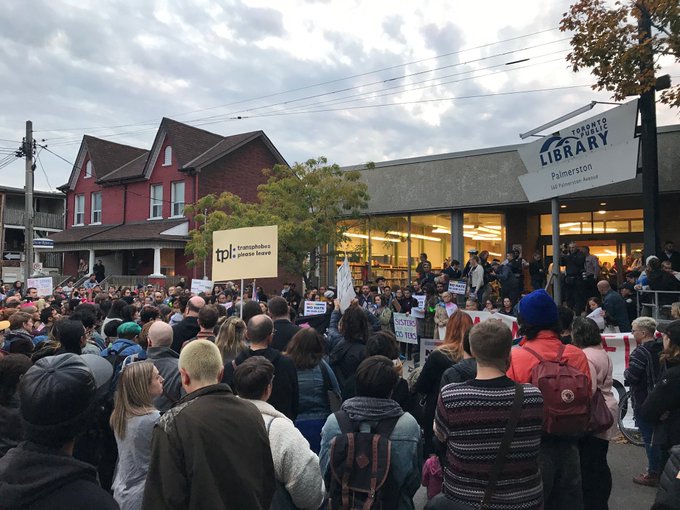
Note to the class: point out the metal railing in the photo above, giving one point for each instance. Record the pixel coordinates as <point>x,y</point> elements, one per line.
<point>40,219</point>
<point>133,281</point>
<point>649,304</point>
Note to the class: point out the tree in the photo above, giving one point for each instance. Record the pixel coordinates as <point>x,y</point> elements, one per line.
<point>606,38</point>
<point>308,201</point>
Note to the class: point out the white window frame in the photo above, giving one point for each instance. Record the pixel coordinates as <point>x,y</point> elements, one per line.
<point>177,203</point>
<point>88,169</point>
<point>155,202</point>
<point>167,156</point>
<point>79,212</point>
<point>96,213</point>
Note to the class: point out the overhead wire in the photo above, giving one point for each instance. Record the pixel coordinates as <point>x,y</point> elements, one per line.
<point>306,87</point>
<point>47,179</point>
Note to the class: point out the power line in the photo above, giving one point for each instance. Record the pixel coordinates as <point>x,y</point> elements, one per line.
<point>306,87</point>
<point>474,96</point>
<point>37,156</point>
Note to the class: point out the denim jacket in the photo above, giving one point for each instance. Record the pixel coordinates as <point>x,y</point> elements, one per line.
<point>314,393</point>
<point>406,454</point>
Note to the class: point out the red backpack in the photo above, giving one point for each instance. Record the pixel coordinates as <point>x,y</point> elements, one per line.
<point>566,395</point>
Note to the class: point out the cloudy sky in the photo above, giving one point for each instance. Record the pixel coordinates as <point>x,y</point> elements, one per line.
<point>352,80</point>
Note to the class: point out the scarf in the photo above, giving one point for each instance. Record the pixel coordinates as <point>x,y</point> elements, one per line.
<point>371,409</point>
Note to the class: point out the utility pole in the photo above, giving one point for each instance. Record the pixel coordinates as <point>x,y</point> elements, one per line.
<point>650,158</point>
<point>28,215</point>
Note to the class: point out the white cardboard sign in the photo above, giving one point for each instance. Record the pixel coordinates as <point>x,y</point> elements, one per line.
<point>405,328</point>
<point>198,286</point>
<point>42,285</point>
<point>315,308</point>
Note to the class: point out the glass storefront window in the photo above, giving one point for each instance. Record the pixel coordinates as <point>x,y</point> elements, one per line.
<point>485,231</point>
<point>597,222</point>
<point>430,234</point>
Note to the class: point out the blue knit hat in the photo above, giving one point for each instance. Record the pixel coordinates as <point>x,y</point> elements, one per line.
<point>538,309</point>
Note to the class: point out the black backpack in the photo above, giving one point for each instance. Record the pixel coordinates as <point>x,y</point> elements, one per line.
<point>359,475</point>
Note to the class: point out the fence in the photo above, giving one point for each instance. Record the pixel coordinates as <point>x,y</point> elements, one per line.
<point>656,303</point>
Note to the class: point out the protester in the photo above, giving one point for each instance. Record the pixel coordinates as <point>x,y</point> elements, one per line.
<point>668,495</point>
<point>642,373</point>
<point>283,328</point>
<point>559,454</point>
<point>575,261</point>
<point>316,383</point>
<point>132,421</point>
<point>19,340</point>
<point>662,406</point>
<point>670,255</point>
<point>347,336</point>
<point>465,369</point>
<point>614,306</point>
<point>211,450</point>
<point>188,327</point>
<point>285,394</point>
<point>376,380</point>
<point>12,368</point>
<point>383,313</point>
<point>165,360</point>
<point>448,353</point>
<point>207,320</point>
<point>566,317</point>
<point>296,466</point>
<point>57,397</point>
<point>471,420</point>
<point>230,339</point>
<point>596,476</point>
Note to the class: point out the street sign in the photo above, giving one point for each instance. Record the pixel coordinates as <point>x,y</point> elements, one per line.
<point>43,243</point>
<point>597,151</point>
<point>13,256</point>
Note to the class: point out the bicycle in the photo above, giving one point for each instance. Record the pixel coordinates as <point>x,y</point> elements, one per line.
<point>626,422</point>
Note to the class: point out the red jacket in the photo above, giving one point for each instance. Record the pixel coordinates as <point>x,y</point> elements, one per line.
<point>546,343</point>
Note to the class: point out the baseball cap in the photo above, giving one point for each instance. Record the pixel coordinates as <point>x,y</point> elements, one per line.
<point>58,395</point>
<point>129,328</point>
<point>671,329</point>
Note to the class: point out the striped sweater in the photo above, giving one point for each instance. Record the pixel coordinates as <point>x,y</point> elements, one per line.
<point>473,415</point>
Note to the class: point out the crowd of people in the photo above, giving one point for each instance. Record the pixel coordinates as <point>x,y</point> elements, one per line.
<point>146,398</point>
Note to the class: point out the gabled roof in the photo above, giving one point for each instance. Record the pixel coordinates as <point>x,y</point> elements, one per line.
<point>106,157</point>
<point>192,148</point>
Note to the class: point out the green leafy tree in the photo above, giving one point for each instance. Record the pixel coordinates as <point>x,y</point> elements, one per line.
<point>606,39</point>
<point>308,202</point>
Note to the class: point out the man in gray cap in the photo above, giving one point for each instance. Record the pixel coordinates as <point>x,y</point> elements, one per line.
<point>58,397</point>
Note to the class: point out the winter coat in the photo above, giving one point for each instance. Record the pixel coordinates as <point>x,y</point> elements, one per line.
<point>166,360</point>
<point>184,330</point>
<point>210,451</point>
<point>345,358</point>
<point>134,451</point>
<point>34,477</point>
<point>385,319</point>
<point>15,335</point>
<point>601,368</point>
<point>10,425</point>
<point>665,398</point>
<point>284,330</point>
<point>295,465</point>
<point>285,390</point>
<point>669,486</point>
<point>462,371</point>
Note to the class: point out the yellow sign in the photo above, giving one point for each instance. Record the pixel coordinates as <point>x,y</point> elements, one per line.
<point>246,253</point>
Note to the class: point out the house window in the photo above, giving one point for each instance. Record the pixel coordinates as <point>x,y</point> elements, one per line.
<point>96,208</point>
<point>79,210</point>
<point>167,156</point>
<point>156,205</point>
<point>88,170</point>
<point>177,198</point>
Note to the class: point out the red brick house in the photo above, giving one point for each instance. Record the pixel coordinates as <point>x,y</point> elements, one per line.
<point>125,205</point>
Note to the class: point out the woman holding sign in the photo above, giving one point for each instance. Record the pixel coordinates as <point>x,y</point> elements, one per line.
<point>383,313</point>
<point>446,355</point>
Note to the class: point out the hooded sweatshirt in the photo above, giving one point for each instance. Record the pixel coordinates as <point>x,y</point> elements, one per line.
<point>36,477</point>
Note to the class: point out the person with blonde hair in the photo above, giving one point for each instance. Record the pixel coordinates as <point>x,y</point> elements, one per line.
<point>446,355</point>
<point>132,421</point>
<point>211,450</point>
<point>231,338</point>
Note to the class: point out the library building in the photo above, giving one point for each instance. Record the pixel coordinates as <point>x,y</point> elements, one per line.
<point>445,205</point>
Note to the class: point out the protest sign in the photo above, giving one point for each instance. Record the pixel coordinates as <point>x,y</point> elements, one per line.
<point>458,287</point>
<point>246,253</point>
<point>345,285</point>
<point>42,285</point>
<point>419,311</point>
<point>405,328</point>
<point>427,345</point>
<point>509,321</point>
<point>198,286</point>
<point>315,307</point>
